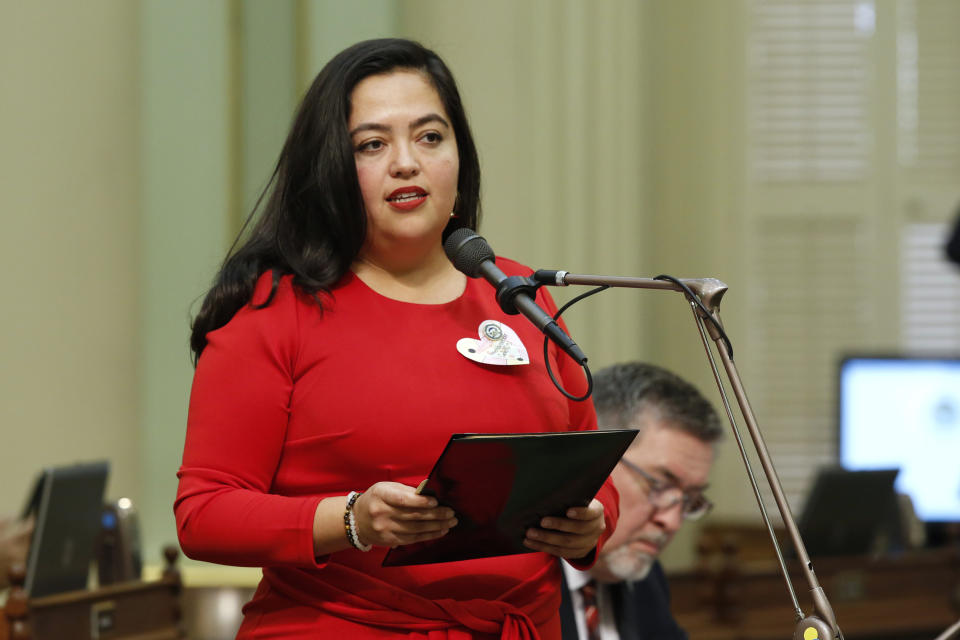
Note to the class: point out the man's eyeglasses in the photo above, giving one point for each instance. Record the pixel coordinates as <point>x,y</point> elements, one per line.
<point>665,495</point>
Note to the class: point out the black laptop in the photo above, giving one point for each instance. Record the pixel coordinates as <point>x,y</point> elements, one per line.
<point>851,513</point>
<point>67,503</point>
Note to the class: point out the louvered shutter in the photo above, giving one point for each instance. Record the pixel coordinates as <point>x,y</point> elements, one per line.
<point>808,81</point>
<point>831,253</point>
<point>928,84</point>
<point>930,292</point>
<point>928,127</point>
<point>810,77</point>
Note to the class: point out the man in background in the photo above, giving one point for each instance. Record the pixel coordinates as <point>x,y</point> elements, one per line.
<point>661,479</point>
<point>14,544</point>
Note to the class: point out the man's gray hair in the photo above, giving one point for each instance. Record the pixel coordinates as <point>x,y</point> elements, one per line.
<point>622,391</point>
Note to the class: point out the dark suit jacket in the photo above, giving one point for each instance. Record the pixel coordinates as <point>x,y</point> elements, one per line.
<point>642,609</point>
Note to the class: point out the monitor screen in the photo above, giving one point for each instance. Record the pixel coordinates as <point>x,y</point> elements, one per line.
<point>904,412</point>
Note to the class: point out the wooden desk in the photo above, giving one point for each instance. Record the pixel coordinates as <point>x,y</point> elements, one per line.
<point>140,610</point>
<point>911,595</point>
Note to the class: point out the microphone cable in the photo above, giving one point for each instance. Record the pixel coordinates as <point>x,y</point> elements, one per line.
<point>690,295</point>
<point>586,369</point>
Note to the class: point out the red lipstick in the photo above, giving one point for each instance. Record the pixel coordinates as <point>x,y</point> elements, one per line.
<point>407,198</point>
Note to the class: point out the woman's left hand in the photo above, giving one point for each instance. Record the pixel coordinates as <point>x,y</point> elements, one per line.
<point>572,537</point>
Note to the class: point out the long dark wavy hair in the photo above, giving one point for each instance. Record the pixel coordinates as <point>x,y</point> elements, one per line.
<point>312,222</point>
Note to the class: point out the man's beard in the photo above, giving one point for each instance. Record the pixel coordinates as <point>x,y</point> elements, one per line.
<point>629,564</point>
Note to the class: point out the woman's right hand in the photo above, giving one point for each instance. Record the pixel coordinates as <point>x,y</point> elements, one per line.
<point>391,514</point>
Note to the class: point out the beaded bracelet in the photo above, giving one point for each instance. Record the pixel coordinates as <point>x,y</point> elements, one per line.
<point>350,523</point>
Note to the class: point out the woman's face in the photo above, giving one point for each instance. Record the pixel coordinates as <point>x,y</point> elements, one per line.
<point>407,163</point>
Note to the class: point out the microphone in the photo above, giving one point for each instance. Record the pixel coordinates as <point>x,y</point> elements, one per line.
<point>471,255</point>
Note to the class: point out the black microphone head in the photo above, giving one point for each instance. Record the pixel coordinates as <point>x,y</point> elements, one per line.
<point>467,251</point>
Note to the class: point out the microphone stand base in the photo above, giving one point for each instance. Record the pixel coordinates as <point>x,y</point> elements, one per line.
<point>812,628</point>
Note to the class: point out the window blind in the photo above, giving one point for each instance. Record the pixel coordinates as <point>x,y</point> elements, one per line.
<point>808,89</point>
<point>929,292</point>
<point>809,83</point>
<point>928,84</point>
<point>823,165</point>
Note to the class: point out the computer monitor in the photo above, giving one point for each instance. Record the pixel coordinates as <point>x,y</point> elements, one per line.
<point>850,513</point>
<point>904,412</point>
<point>67,503</point>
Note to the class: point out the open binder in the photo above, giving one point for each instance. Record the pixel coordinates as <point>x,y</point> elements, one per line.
<point>499,485</point>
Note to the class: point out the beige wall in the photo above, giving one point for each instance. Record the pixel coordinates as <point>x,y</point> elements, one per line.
<point>70,245</point>
<point>135,135</point>
<point>139,134</point>
<point>188,119</point>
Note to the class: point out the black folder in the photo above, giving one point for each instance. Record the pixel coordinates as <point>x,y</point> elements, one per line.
<point>499,485</point>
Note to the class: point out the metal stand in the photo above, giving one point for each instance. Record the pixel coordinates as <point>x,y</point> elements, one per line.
<point>952,632</point>
<point>705,303</point>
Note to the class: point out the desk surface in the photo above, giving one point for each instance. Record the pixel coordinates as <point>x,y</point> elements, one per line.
<point>210,575</point>
<point>915,594</point>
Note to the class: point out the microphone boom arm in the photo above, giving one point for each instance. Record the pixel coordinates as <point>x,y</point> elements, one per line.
<point>708,292</point>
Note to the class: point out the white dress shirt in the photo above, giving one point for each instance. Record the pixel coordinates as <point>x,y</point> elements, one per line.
<point>608,624</point>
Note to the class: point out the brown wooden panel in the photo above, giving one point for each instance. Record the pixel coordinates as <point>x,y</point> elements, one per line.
<point>736,594</point>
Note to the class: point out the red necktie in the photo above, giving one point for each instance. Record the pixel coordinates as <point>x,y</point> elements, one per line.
<point>591,614</point>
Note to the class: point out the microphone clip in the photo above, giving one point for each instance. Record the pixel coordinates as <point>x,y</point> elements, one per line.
<point>512,286</point>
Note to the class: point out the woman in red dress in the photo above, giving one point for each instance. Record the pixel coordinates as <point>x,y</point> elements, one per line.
<point>329,377</point>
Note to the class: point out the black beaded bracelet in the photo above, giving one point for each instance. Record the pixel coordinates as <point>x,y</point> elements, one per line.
<point>350,523</point>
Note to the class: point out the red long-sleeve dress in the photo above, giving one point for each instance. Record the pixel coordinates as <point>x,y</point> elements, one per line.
<point>291,405</point>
